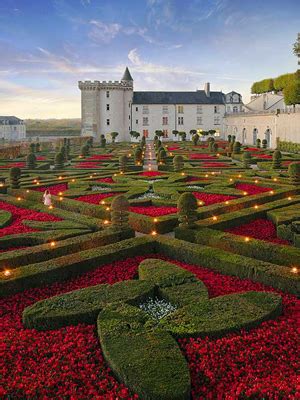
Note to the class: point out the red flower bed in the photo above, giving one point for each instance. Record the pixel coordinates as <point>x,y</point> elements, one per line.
<point>173,148</point>
<point>96,198</point>
<point>40,158</point>
<point>87,165</point>
<point>153,211</point>
<point>261,229</point>
<point>11,165</point>
<point>151,173</point>
<point>264,156</point>
<point>290,162</point>
<point>54,189</point>
<point>18,214</point>
<point>99,157</point>
<point>193,178</point>
<point>251,189</point>
<point>252,149</point>
<point>210,198</point>
<point>215,165</point>
<point>106,180</point>
<point>200,156</point>
<point>68,362</point>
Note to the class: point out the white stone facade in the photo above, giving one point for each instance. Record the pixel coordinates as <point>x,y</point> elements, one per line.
<point>114,106</point>
<point>12,128</point>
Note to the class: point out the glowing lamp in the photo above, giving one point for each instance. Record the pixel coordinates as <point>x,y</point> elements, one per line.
<point>153,233</point>
<point>52,244</point>
<point>289,198</point>
<point>272,192</point>
<point>245,193</point>
<point>214,218</point>
<point>7,272</point>
<point>155,220</point>
<point>51,207</point>
<point>19,198</point>
<point>106,222</point>
<point>247,239</point>
<point>294,270</point>
<point>102,202</point>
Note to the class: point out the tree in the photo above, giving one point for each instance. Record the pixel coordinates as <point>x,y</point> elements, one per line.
<point>134,134</point>
<point>32,147</point>
<point>114,136</point>
<point>120,213</point>
<point>31,161</point>
<point>123,160</point>
<point>187,210</point>
<point>85,150</point>
<point>195,139</point>
<point>229,138</point>
<point>212,131</point>
<point>102,141</point>
<point>258,142</point>
<point>138,155</point>
<point>193,132</point>
<point>182,135</point>
<point>14,177</point>
<point>294,173</point>
<point>276,159</point>
<point>264,143</point>
<point>175,132</point>
<point>162,155</point>
<point>237,148</point>
<point>59,161</point>
<point>178,163</point>
<point>159,133</point>
<point>247,159</point>
<point>38,147</point>
<point>296,46</point>
<point>291,92</point>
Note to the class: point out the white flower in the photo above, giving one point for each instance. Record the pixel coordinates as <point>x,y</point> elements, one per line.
<point>157,308</point>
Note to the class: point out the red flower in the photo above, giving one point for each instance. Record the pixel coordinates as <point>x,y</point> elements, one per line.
<point>54,189</point>
<point>261,229</point>
<point>99,157</point>
<point>87,165</point>
<point>105,180</point>
<point>11,165</point>
<point>151,173</point>
<point>153,211</point>
<point>96,198</point>
<point>215,165</point>
<point>210,198</point>
<point>251,189</point>
<point>200,156</point>
<point>18,214</point>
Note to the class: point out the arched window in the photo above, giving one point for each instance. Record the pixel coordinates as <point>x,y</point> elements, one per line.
<point>268,134</point>
<point>244,135</point>
<point>235,109</point>
<point>255,133</point>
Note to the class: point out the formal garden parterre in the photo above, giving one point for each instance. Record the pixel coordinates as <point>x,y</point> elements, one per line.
<point>157,272</point>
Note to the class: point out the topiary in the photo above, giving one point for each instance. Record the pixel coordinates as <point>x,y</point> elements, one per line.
<point>59,161</point>
<point>85,150</point>
<point>229,138</point>
<point>233,138</point>
<point>162,155</point>
<point>187,210</point>
<point>178,163</point>
<point>276,159</point>
<point>123,160</point>
<point>138,155</point>
<point>229,149</point>
<point>237,148</point>
<point>120,213</point>
<point>102,141</point>
<point>195,139</point>
<point>247,159</point>
<point>264,143</point>
<point>31,161</point>
<point>63,151</point>
<point>258,142</point>
<point>294,173</point>
<point>32,147</point>
<point>158,144</point>
<point>14,176</point>
<point>38,147</point>
<point>215,147</point>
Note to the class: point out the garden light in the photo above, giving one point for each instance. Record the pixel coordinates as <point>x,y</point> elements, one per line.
<point>7,272</point>
<point>214,218</point>
<point>155,220</point>
<point>272,192</point>
<point>247,239</point>
<point>19,198</point>
<point>52,244</point>
<point>153,233</point>
<point>256,206</point>
<point>106,222</point>
<point>294,270</point>
<point>289,198</point>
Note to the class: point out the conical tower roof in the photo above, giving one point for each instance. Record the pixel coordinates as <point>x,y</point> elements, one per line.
<point>127,76</point>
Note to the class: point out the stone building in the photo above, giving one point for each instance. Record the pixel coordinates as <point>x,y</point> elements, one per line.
<point>12,128</point>
<point>115,106</point>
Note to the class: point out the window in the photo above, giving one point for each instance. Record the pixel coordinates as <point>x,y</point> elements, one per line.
<point>137,121</point>
<point>228,108</point>
<point>128,116</point>
<point>216,109</point>
<point>107,93</point>
<point>199,109</point>
<point>145,110</point>
<point>136,109</point>
<point>180,109</point>
<point>235,109</point>
<point>217,120</point>
<point>107,122</point>
<point>145,133</point>
<point>199,120</point>
<point>165,132</point>
<point>145,121</point>
<point>180,120</point>
<point>107,107</point>
<point>165,110</point>
<point>165,120</point>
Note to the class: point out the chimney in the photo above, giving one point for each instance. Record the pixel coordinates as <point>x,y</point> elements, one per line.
<point>207,89</point>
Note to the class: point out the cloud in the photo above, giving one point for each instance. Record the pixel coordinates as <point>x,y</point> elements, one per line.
<point>103,32</point>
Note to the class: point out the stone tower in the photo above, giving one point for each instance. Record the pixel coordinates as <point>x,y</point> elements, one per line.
<point>106,107</point>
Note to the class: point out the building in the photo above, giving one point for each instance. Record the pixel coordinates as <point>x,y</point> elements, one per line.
<point>114,106</point>
<point>12,128</point>
<point>265,117</point>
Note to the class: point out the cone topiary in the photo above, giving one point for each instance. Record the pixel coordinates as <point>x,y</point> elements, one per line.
<point>178,163</point>
<point>276,159</point>
<point>59,161</point>
<point>123,160</point>
<point>14,176</point>
<point>85,150</point>
<point>237,148</point>
<point>31,161</point>
<point>138,155</point>
<point>102,141</point>
<point>63,151</point>
<point>187,210</point>
<point>294,173</point>
<point>247,159</point>
<point>258,142</point>
<point>120,212</point>
<point>264,143</point>
<point>162,155</point>
<point>195,139</point>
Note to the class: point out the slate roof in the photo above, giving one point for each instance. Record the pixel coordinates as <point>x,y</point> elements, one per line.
<point>11,120</point>
<point>127,76</point>
<point>197,97</point>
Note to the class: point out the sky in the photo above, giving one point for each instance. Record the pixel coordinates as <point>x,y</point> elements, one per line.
<point>47,46</point>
